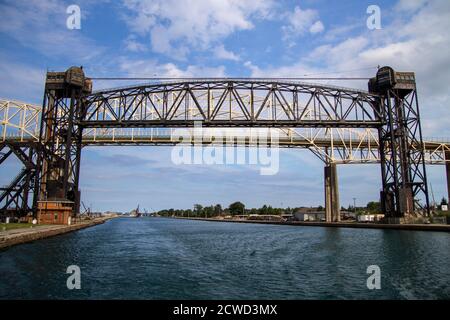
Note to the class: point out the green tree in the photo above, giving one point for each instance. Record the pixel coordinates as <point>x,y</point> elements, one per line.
<point>444,202</point>
<point>217,210</point>
<point>208,211</point>
<point>236,208</point>
<point>373,207</point>
<point>198,210</point>
<point>264,210</point>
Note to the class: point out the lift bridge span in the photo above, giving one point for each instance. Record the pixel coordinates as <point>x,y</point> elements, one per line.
<point>339,125</point>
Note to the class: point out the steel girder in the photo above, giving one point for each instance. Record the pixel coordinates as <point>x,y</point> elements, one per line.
<point>402,164</point>
<point>231,103</point>
<point>15,197</point>
<point>60,137</point>
<point>20,122</point>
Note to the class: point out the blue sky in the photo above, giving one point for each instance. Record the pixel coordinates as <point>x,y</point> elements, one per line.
<point>225,38</point>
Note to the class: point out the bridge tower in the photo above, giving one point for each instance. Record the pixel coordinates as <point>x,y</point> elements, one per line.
<point>402,156</point>
<point>60,139</point>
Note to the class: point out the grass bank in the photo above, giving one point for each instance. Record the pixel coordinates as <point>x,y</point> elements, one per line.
<point>11,226</point>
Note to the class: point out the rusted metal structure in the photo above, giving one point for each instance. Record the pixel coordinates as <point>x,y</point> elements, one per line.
<point>402,166</point>
<point>17,196</point>
<point>339,125</point>
<point>60,137</point>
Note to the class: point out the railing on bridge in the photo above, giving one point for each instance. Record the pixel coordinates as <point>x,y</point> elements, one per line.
<point>19,119</point>
<point>20,123</point>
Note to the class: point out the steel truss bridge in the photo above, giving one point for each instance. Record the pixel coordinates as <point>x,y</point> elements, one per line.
<point>339,125</point>
<point>20,123</point>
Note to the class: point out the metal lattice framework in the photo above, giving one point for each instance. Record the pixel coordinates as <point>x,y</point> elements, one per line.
<point>231,103</point>
<point>60,138</point>
<point>341,145</point>
<point>402,162</point>
<point>17,195</point>
<point>19,119</point>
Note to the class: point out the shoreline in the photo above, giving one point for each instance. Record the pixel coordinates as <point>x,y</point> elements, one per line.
<point>24,235</point>
<point>411,227</point>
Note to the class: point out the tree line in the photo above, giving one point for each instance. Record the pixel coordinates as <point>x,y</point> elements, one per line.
<point>238,208</point>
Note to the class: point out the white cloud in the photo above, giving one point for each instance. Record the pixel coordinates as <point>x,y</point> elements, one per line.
<point>410,5</point>
<point>317,27</point>
<point>299,22</point>
<point>150,68</point>
<point>41,26</point>
<point>338,31</point>
<point>298,69</point>
<point>131,44</point>
<point>176,26</point>
<point>343,51</point>
<point>418,43</point>
<point>20,81</point>
<point>221,53</point>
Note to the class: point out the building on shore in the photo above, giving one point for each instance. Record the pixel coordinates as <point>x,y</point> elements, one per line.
<point>266,217</point>
<point>310,216</point>
<point>370,217</point>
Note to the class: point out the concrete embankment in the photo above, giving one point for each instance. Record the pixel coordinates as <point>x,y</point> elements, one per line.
<point>416,227</point>
<point>17,236</point>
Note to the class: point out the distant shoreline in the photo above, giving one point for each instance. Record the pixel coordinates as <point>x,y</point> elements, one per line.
<point>412,227</point>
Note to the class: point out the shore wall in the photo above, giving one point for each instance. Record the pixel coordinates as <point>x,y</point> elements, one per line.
<point>18,236</point>
<point>415,227</point>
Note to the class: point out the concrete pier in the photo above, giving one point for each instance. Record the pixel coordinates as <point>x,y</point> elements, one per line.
<point>411,227</point>
<point>447,170</point>
<point>17,236</point>
<point>332,206</point>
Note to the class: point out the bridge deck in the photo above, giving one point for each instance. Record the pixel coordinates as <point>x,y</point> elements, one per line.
<point>434,150</point>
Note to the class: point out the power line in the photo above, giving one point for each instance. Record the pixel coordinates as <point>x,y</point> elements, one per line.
<point>223,78</point>
<point>341,71</point>
<point>303,77</point>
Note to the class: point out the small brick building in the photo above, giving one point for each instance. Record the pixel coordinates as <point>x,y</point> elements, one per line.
<point>55,212</point>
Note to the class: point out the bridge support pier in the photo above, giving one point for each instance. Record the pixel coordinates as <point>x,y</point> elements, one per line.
<point>447,170</point>
<point>332,206</point>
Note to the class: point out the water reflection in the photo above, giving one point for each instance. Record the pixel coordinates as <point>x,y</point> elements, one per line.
<point>152,258</point>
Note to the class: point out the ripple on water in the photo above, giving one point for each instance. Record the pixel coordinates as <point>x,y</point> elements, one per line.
<point>156,258</point>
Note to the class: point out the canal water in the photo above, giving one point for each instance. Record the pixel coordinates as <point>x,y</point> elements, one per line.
<point>158,258</point>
